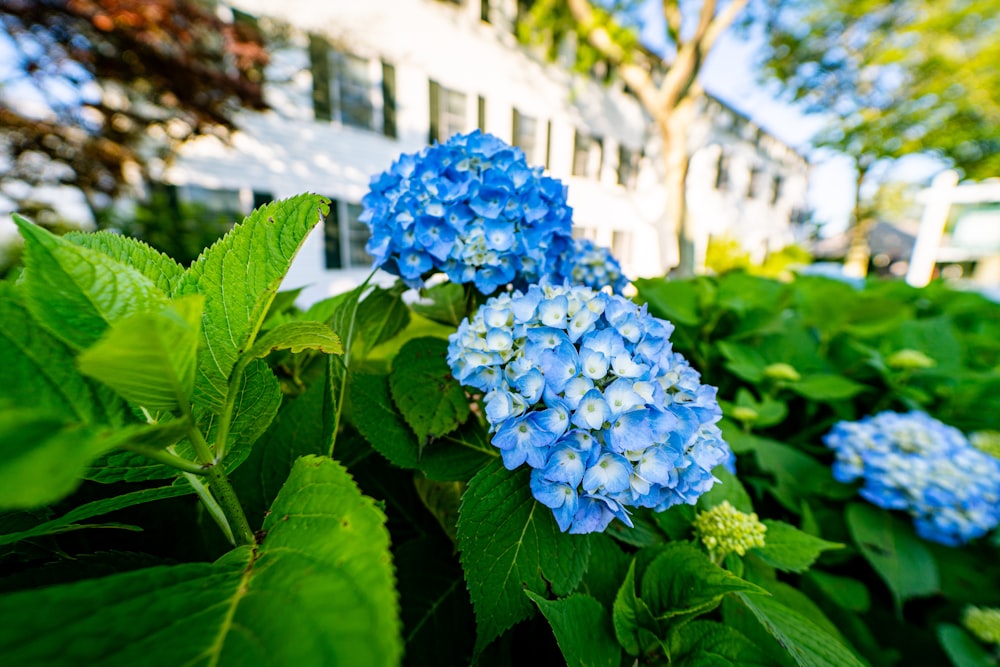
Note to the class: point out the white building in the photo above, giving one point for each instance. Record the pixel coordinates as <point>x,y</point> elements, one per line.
<point>354,84</point>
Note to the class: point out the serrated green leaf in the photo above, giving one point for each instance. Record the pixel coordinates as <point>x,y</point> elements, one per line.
<point>807,644</point>
<point>636,629</point>
<point>42,457</point>
<point>296,336</point>
<point>703,643</point>
<point>76,292</point>
<point>429,398</point>
<point>69,520</point>
<point>250,607</point>
<point>583,630</point>
<point>149,358</point>
<point>442,500</point>
<point>602,582</point>
<point>239,276</point>
<point>509,543</point>
<point>381,315</point>
<point>39,371</point>
<point>827,387</point>
<point>962,649</point>
<point>681,583</point>
<point>457,456</point>
<point>900,558</point>
<point>728,488</point>
<point>788,548</point>
<point>675,300</point>
<point>150,262</point>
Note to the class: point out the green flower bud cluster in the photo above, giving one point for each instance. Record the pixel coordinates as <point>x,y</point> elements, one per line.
<point>909,360</point>
<point>987,442</point>
<point>724,529</point>
<point>983,622</point>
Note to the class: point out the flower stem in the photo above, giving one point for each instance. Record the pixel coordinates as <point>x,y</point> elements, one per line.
<point>212,506</point>
<point>223,491</point>
<point>166,458</point>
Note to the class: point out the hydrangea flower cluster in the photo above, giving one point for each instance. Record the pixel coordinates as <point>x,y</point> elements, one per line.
<point>723,529</point>
<point>471,208</point>
<point>582,262</point>
<point>585,387</point>
<point>915,463</point>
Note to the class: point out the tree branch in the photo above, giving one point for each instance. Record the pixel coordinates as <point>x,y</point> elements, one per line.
<point>672,13</point>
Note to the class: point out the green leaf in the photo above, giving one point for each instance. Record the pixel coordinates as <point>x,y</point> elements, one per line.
<point>445,303</point>
<point>636,629</point>
<point>827,387</point>
<point>681,583</point>
<point>75,292</point>
<point>239,276</point>
<point>743,361</point>
<point>845,592</point>
<point>806,643</point>
<point>429,398</point>
<point>150,358</point>
<point>150,262</point>
<point>456,456</point>
<point>602,582</point>
<point>789,549</point>
<point>728,488</point>
<point>900,558</point>
<point>251,607</point>
<point>296,336</point>
<point>962,649</point>
<point>381,315</point>
<point>39,371</point>
<point>583,630</point>
<point>442,500</point>
<point>705,643</point>
<point>42,458</point>
<point>509,543</point>
<point>68,521</point>
<point>674,300</point>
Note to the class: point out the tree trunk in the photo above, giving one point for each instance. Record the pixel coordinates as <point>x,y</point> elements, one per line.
<point>858,252</point>
<point>676,226</point>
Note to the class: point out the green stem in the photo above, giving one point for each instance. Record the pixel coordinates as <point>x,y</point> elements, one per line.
<point>223,491</point>
<point>348,339</point>
<point>212,506</point>
<point>165,457</point>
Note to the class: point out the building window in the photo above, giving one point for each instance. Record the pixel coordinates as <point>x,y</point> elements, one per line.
<point>753,187</point>
<point>448,112</point>
<point>481,114</point>
<point>524,133</point>
<point>628,166</point>
<point>621,246</point>
<point>776,189</point>
<point>484,10</point>
<point>588,155</point>
<point>722,171</point>
<point>548,144</point>
<point>354,91</point>
<point>344,237</point>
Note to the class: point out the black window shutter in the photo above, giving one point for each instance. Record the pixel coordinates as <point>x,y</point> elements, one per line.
<point>516,128</point>
<point>319,60</point>
<point>331,237</point>
<point>481,113</point>
<point>435,98</point>
<point>548,145</point>
<point>389,100</point>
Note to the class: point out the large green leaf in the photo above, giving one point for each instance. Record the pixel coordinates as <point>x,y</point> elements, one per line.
<point>788,548</point>
<point>889,545</point>
<point>239,276</point>
<point>296,336</point>
<point>674,300</point>
<point>150,358</point>
<point>510,543</point>
<point>76,292</point>
<point>827,387</point>
<point>381,315</point>
<point>583,630</point>
<point>429,398</point>
<point>602,582</point>
<point>456,456</point>
<point>963,650</point>
<point>805,642</point>
<point>446,303</point>
<point>150,262</point>
<point>318,591</point>
<point>704,643</point>
<point>635,627</point>
<point>39,372</point>
<point>42,458</point>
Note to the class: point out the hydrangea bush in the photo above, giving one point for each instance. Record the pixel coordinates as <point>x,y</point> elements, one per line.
<point>471,208</point>
<point>913,462</point>
<point>585,388</point>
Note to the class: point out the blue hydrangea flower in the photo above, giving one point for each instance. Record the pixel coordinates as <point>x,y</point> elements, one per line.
<point>585,388</point>
<point>913,462</point>
<point>582,262</point>
<point>471,208</point>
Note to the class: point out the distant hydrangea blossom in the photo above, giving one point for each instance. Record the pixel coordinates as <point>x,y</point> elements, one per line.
<point>585,388</point>
<point>582,262</point>
<point>471,208</point>
<point>915,463</point>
